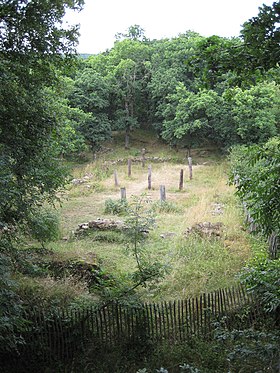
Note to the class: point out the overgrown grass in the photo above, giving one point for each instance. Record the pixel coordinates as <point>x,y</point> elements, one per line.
<point>195,265</point>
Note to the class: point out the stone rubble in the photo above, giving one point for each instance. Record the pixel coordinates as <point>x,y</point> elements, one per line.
<point>206,229</point>
<point>100,224</point>
<point>82,180</point>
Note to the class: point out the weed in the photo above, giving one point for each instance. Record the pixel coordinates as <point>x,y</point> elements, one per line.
<point>47,293</point>
<point>108,237</point>
<point>116,207</point>
<point>166,207</point>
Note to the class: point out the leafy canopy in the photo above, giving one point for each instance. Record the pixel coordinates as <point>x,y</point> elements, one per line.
<point>256,173</point>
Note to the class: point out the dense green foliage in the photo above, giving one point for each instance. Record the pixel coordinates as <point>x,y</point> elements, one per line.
<point>256,174</point>
<point>262,279</point>
<point>189,88</point>
<point>34,46</point>
<point>261,37</point>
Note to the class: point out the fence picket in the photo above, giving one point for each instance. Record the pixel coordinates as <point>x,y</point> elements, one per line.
<point>201,312</point>
<point>167,319</point>
<point>173,320</point>
<point>151,319</point>
<point>163,321</point>
<point>187,318</point>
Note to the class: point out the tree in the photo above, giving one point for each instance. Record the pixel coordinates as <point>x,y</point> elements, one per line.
<point>189,116</point>
<point>255,171</point>
<point>261,36</point>
<point>33,43</point>
<point>66,140</point>
<point>254,112</point>
<point>127,73</point>
<point>213,58</point>
<point>90,94</point>
<point>134,32</point>
<point>33,46</point>
<point>170,63</point>
<point>126,83</point>
<point>113,85</point>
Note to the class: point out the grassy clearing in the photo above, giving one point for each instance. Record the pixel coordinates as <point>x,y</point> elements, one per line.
<point>195,264</point>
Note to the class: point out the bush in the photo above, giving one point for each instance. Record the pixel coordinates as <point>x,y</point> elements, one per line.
<point>11,319</point>
<point>255,173</point>
<point>43,225</point>
<point>118,207</point>
<point>166,207</point>
<point>263,280</point>
<point>250,350</point>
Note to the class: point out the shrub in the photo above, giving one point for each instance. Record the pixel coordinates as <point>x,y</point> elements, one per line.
<point>166,207</point>
<point>118,207</point>
<point>11,319</point>
<point>43,225</point>
<point>250,350</point>
<point>263,280</point>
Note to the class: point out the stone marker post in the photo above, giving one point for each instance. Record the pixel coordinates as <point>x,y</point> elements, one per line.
<point>116,178</point>
<point>150,177</point>
<point>162,193</point>
<point>123,193</point>
<point>143,152</point>
<point>190,167</point>
<point>129,167</point>
<point>181,182</point>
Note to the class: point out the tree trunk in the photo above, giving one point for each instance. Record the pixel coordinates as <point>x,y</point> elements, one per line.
<point>126,138</point>
<point>273,241</point>
<point>127,128</point>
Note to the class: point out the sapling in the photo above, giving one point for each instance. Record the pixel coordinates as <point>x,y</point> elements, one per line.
<point>139,222</point>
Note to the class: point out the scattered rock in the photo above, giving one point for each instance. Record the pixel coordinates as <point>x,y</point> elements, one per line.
<point>206,229</point>
<point>104,224</point>
<point>218,209</point>
<point>100,224</point>
<point>5,229</point>
<point>167,235</point>
<point>83,180</point>
<point>138,159</point>
<point>83,226</point>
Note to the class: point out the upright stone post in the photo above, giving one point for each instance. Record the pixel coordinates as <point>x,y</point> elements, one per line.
<point>129,167</point>
<point>181,182</point>
<point>143,152</point>
<point>162,193</point>
<point>190,167</point>
<point>116,178</point>
<point>123,193</point>
<point>150,177</point>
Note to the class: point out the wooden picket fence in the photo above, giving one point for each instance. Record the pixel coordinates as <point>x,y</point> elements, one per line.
<point>60,335</point>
